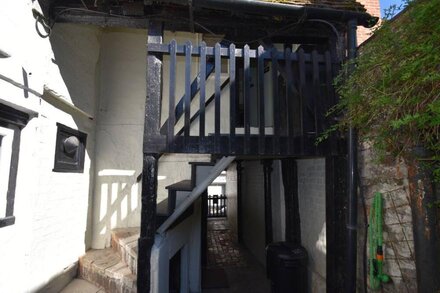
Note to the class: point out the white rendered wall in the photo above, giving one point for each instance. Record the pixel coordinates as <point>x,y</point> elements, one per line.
<point>50,208</point>
<point>119,134</point>
<point>311,190</point>
<point>231,193</point>
<point>253,209</point>
<point>185,237</point>
<point>278,206</point>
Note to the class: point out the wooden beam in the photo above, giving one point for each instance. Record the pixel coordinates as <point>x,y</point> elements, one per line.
<point>239,203</point>
<point>150,159</point>
<point>290,182</point>
<point>152,136</point>
<point>148,221</point>
<point>267,169</point>
<point>335,213</point>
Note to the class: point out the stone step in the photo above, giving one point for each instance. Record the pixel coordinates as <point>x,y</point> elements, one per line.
<point>125,243</point>
<point>105,268</point>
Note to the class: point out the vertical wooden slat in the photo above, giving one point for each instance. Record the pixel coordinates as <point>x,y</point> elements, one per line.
<point>316,93</point>
<point>172,97</point>
<point>262,119</point>
<point>247,106</point>
<point>276,101</point>
<point>289,100</point>
<point>187,101</point>
<point>217,95</point>
<point>302,93</point>
<point>232,99</point>
<point>330,101</point>
<point>202,93</point>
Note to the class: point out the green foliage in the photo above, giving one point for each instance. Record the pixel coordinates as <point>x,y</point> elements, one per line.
<point>393,96</point>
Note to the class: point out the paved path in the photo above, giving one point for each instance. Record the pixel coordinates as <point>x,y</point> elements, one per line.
<point>244,273</point>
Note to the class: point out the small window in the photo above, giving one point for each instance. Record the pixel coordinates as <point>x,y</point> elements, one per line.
<point>11,123</point>
<point>70,150</point>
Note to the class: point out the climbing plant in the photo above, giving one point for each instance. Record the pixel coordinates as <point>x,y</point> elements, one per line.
<point>393,95</point>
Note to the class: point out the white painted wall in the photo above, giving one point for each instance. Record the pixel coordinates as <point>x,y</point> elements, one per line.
<point>185,237</point>
<point>119,132</point>
<point>311,196</point>
<point>278,205</point>
<point>50,208</point>
<point>253,207</point>
<point>231,193</point>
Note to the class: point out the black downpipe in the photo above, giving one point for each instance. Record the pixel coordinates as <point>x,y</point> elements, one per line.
<point>280,9</point>
<point>351,176</point>
<point>425,221</point>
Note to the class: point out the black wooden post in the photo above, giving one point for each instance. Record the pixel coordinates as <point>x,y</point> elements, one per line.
<point>148,221</point>
<point>424,193</point>
<point>239,204</point>
<point>267,168</point>
<point>335,215</point>
<point>352,176</point>
<point>204,229</point>
<point>290,182</point>
<point>150,159</point>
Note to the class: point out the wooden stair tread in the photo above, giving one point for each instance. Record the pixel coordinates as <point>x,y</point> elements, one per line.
<point>184,185</point>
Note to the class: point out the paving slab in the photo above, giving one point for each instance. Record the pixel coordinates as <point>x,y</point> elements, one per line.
<point>81,286</point>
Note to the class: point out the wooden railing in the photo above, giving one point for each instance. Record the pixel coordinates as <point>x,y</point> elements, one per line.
<point>301,92</point>
<point>217,206</point>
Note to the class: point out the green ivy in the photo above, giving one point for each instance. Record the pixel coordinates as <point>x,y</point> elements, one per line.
<point>393,95</point>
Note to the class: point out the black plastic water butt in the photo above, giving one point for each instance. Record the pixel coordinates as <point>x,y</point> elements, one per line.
<point>287,267</point>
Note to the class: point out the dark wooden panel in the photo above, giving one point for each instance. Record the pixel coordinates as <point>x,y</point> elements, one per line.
<point>261,118</point>
<point>289,99</point>
<point>276,102</point>
<point>224,52</point>
<point>302,90</point>
<point>172,96</point>
<point>217,106</point>
<point>154,92</point>
<point>232,98</point>
<point>202,92</point>
<point>187,100</point>
<point>316,98</point>
<point>246,90</point>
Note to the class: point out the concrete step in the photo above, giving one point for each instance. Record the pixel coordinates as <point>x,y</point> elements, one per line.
<point>105,268</point>
<point>125,243</point>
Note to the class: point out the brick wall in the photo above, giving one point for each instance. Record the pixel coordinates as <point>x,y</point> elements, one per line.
<point>391,179</point>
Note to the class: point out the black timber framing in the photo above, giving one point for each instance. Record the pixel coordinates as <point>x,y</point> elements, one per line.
<point>267,170</point>
<point>150,160</point>
<point>290,182</point>
<point>335,214</point>
<point>352,185</point>
<point>239,202</point>
<point>14,120</point>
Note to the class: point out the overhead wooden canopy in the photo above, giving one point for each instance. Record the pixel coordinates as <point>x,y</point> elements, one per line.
<point>246,18</point>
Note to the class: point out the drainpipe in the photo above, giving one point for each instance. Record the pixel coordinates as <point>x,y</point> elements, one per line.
<point>424,193</point>
<point>280,9</point>
<point>352,205</point>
